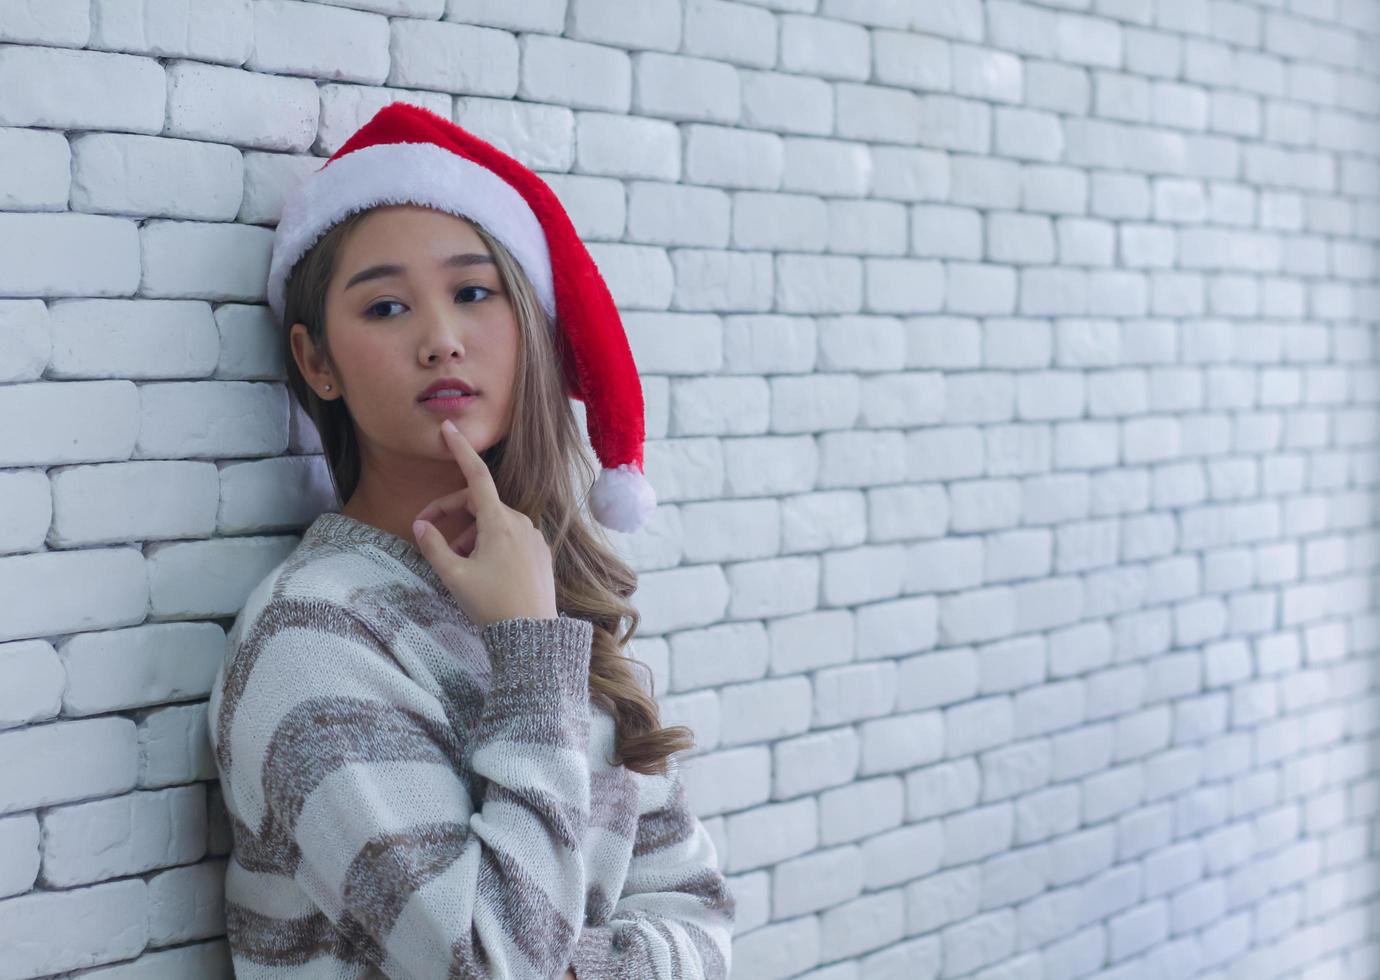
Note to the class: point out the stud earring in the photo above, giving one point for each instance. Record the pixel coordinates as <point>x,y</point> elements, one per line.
<point>328,387</point>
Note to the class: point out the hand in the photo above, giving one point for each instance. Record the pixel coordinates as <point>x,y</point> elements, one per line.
<point>507,573</point>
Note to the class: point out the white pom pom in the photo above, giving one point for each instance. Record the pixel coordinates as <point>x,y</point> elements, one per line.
<point>622,499</point>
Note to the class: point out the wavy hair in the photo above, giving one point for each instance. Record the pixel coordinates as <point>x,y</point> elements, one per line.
<point>535,468</point>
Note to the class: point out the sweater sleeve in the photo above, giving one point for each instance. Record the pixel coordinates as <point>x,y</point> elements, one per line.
<point>674,919</point>
<point>368,781</point>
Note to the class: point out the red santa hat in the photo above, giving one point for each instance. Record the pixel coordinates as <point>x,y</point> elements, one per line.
<point>407,154</point>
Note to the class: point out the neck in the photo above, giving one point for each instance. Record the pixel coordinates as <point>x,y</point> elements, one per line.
<point>389,496</point>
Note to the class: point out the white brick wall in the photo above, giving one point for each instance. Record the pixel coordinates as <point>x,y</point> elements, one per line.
<point>1011,384</point>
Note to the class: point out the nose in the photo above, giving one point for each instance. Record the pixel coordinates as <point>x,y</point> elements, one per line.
<point>442,338</point>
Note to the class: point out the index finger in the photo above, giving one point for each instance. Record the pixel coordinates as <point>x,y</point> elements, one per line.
<point>477,475</point>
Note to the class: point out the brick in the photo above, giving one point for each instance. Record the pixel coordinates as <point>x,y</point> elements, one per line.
<point>66,760</point>
<point>123,835</point>
<point>34,681</point>
<point>51,932</point>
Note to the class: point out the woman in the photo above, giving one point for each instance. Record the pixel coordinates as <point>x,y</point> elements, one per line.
<point>437,760</point>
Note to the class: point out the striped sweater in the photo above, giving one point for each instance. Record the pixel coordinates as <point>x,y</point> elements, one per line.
<point>413,796</point>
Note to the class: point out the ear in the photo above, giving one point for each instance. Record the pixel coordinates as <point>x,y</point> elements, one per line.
<point>312,362</point>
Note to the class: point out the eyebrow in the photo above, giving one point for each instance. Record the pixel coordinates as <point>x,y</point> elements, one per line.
<point>383,271</point>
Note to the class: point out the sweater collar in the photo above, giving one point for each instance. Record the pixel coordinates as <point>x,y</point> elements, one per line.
<point>350,532</point>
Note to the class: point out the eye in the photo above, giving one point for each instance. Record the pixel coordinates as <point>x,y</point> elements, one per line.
<point>369,311</point>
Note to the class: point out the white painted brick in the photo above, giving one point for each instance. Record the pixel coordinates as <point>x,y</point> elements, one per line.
<point>730,32</point>
<point>984,505</point>
<point>284,493</point>
<point>574,73</point>
<point>813,403</point>
<point>626,23</point>
<point>901,742</point>
<point>118,91</point>
<point>50,932</point>
<point>942,789</point>
<point>731,530</point>
<point>860,809</point>
<point>763,220</point>
<point>905,286</point>
<point>899,512</point>
<point>41,601</point>
<point>123,835</point>
<point>224,261</point>
<point>35,170</point>
<point>638,276</point>
<point>773,587</point>
<point>206,961</point>
<point>781,949</point>
<point>174,746</point>
<point>220,31</point>
<point>67,254</point>
<point>66,760</point>
<point>664,608</point>
<point>24,340</point>
<point>866,226</point>
<point>144,665</point>
<point>980,832</point>
<point>971,287</point>
<point>719,406</point>
<point>945,231</point>
<point>679,87</point>
<point>707,279</point>
<point>822,520</point>
<point>768,344</point>
<point>248,109</point>
<point>944,121</point>
<point>675,343</point>
<point>179,419</point>
<point>785,464</point>
<point>595,205</point>
<point>19,853</point>
<point>26,510</point>
<point>857,458</point>
<point>912,60</point>
<point>322,41</point>
<point>669,214</point>
<point>864,924</point>
<point>824,48</point>
<point>114,503</point>
<point>175,590</point>
<point>132,338</point>
<point>728,157</point>
<point>787,103</point>
<point>909,174</point>
<point>729,780</point>
<point>764,710</point>
<point>816,881</point>
<point>187,903</point>
<point>815,761</point>
<point>540,136</point>
<point>899,855</point>
<point>800,284</point>
<point>711,657</point>
<point>34,680</point>
<point>685,469</point>
<point>852,692</point>
<point>457,58</point>
<point>772,833</point>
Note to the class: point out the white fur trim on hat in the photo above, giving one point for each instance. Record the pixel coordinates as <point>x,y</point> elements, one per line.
<point>622,498</point>
<point>409,173</point>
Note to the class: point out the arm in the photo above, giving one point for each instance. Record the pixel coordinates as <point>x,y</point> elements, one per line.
<point>365,776</point>
<point>675,918</point>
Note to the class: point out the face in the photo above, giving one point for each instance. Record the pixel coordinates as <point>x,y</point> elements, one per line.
<point>415,297</point>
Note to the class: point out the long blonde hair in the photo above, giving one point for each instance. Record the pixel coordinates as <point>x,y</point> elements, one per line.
<point>534,468</point>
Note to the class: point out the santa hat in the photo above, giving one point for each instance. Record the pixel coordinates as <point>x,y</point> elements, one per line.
<point>407,154</point>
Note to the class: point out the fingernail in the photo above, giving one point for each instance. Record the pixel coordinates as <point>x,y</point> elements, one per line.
<point>448,424</point>
<point>418,529</point>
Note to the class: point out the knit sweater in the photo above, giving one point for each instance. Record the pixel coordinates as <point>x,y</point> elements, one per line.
<point>413,796</point>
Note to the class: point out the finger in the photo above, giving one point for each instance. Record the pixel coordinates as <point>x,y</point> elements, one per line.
<point>463,543</point>
<point>433,545</point>
<point>477,475</point>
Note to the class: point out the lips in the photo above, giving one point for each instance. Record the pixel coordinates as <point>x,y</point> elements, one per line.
<point>444,384</point>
